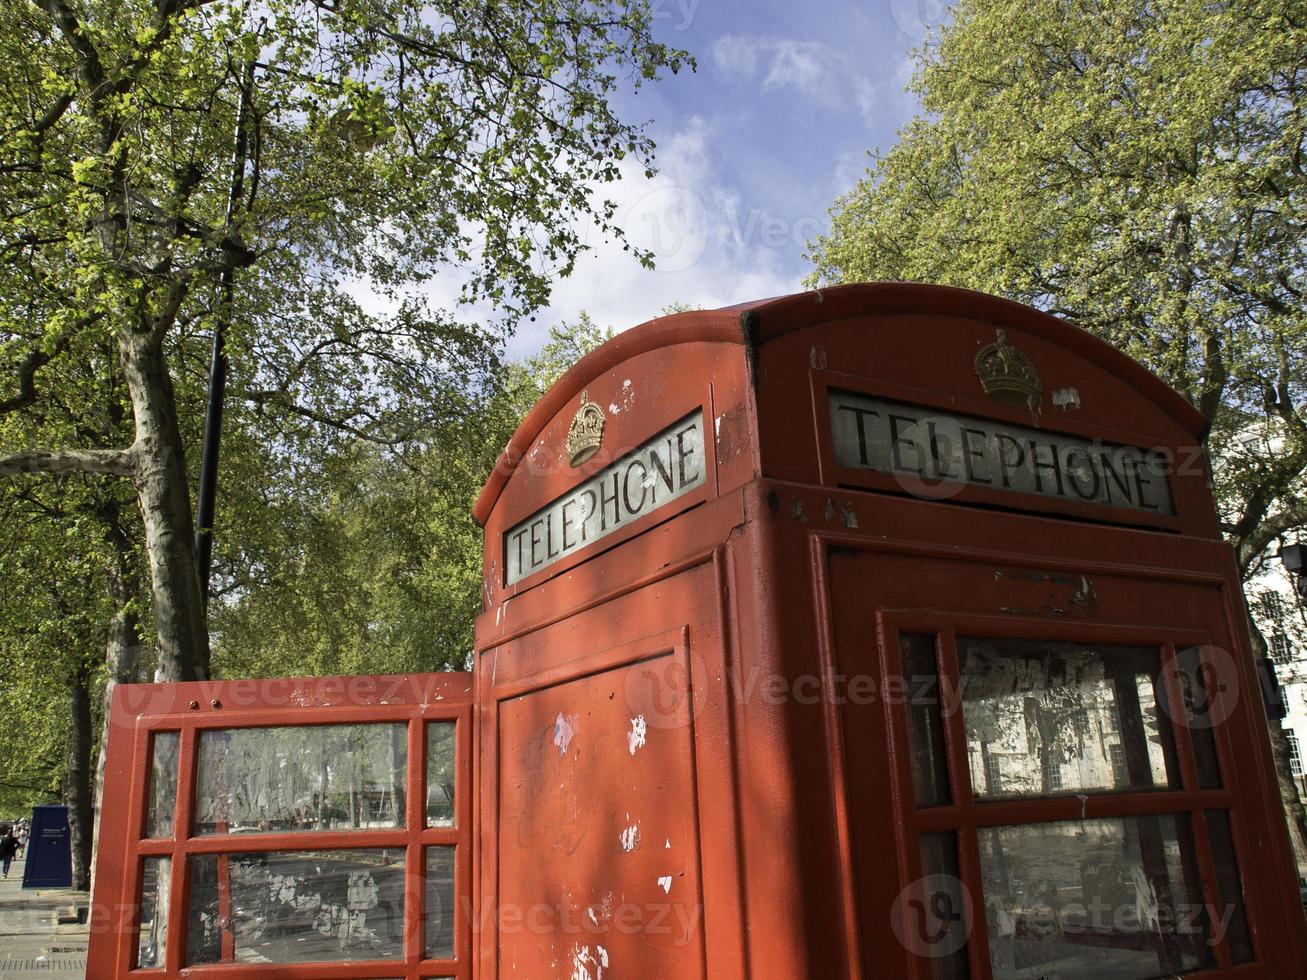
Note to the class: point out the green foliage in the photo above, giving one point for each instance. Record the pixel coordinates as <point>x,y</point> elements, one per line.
<point>368,560</point>
<point>169,167</point>
<point>1136,168</point>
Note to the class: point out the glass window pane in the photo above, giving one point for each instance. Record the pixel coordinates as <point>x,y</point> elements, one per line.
<point>1232,917</point>
<point>1046,718</point>
<point>152,941</point>
<point>1201,714</point>
<point>439,928</point>
<point>441,761</point>
<point>164,747</point>
<point>296,906</point>
<point>943,916</point>
<point>312,777</point>
<point>1085,900</point>
<point>925,727</point>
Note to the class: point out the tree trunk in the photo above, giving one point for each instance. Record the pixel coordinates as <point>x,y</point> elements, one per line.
<point>163,490</point>
<point>77,789</point>
<point>122,656</point>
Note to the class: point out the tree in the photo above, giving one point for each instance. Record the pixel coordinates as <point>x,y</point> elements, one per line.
<point>370,561</point>
<point>169,166</point>
<point>1138,169</point>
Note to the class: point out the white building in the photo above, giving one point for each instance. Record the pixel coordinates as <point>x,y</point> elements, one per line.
<point>1282,617</point>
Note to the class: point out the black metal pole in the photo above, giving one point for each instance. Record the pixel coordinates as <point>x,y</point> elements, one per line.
<point>208,489</point>
<point>206,502</point>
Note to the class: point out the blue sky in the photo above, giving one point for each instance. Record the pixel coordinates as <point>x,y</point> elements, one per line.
<point>753,149</point>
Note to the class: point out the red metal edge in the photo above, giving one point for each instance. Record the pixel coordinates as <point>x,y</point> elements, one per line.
<point>770,318</point>
<point>775,317</point>
<point>712,326</point>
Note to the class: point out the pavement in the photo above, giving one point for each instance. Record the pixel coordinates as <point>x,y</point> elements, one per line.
<point>33,946</point>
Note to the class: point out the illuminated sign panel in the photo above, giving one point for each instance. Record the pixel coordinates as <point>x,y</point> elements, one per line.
<point>926,447</point>
<point>668,466</point>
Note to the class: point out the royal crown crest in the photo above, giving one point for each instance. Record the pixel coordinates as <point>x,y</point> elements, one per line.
<point>1007,374</point>
<point>586,431</point>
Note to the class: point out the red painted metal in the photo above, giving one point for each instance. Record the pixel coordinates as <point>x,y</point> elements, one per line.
<point>671,779</point>
<point>785,572</point>
<point>190,708</point>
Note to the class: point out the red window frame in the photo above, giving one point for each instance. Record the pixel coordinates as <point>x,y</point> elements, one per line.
<point>967,816</point>
<point>140,710</point>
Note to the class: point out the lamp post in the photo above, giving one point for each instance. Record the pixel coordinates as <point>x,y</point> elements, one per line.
<point>1294,558</point>
<point>206,498</point>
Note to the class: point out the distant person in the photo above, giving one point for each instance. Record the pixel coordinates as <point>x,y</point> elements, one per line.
<point>8,848</point>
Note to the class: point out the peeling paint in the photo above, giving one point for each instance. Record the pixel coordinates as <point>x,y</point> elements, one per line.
<point>625,399</point>
<point>1065,398</point>
<point>797,512</point>
<point>630,838</point>
<point>587,964</point>
<point>665,883</point>
<point>635,738</point>
<point>564,731</point>
<point>668,845</point>
<point>829,512</point>
<point>847,516</point>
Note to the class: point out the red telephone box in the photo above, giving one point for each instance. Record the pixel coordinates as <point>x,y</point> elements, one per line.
<point>878,631</point>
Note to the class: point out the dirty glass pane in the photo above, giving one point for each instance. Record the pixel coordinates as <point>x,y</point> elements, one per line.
<point>1045,718</point>
<point>439,928</point>
<point>296,906</point>
<point>925,726</point>
<point>1233,917</point>
<point>1090,899</point>
<point>163,784</point>
<point>1201,713</point>
<point>441,762</point>
<point>313,777</point>
<point>152,941</point>
<point>941,916</point>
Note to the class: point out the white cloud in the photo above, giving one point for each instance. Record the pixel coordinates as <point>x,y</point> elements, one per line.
<point>736,55</point>
<point>710,249</point>
<point>821,75</point>
<point>815,70</point>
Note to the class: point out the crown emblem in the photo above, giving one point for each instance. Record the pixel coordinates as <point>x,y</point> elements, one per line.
<point>586,431</point>
<point>1008,375</point>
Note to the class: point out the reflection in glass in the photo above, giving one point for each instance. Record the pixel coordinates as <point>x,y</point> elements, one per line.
<point>1045,718</point>
<point>1199,714</point>
<point>313,777</point>
<point>943,925</point>
<point>1089,899</point>
<point>440,774</point>
<point>296,906</point>
<point>1229,886</point>
<point>439,930</point>
<point>156,882</point>
<point>163,784</point>
<point>925,726</point>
